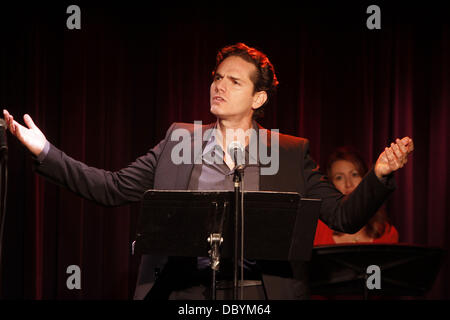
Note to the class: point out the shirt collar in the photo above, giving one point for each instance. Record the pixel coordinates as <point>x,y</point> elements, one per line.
<point>213,144</point>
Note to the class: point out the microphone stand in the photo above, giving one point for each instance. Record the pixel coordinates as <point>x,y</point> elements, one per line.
<point>237,179</point>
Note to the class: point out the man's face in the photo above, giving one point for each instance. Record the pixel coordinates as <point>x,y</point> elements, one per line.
<point>232,91</point>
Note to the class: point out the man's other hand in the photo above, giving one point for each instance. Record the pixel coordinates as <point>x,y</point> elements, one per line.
<point>393,157</point>
<point>32,138</point>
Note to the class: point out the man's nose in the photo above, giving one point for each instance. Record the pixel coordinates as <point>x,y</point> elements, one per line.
<point>220,85</point>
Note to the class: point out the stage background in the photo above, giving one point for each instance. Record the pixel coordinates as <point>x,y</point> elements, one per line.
<point>107,93</point>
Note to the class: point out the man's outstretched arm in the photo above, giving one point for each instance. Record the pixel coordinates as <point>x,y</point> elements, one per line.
<point>101,186</point>
<point>350,213</point>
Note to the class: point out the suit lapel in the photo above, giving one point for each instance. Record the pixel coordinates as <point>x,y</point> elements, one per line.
<point>266,182</point>
<point>184,171</point>
<point>283,180</point>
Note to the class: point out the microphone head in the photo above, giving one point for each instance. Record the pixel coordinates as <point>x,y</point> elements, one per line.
<point>237,152</point>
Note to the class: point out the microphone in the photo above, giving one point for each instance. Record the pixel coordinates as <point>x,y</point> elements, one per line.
<point>3,141</point>
<point>237,153</point>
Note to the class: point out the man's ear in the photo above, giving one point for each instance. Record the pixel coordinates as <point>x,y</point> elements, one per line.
<point>259,99</point>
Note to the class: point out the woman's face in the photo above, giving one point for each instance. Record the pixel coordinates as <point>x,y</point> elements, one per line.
<point>345,176</point>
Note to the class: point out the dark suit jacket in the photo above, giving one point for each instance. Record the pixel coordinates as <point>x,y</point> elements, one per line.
<point>155,170</point>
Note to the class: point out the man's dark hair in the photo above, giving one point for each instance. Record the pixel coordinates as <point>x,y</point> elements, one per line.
<point>264,78</point>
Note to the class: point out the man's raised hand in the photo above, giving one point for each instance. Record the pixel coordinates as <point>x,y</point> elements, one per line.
<point>394,157</point>
<point>32,138</point>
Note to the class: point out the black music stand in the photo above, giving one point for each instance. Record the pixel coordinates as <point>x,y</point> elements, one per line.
<point>277,225</point>
<point>406,270</point>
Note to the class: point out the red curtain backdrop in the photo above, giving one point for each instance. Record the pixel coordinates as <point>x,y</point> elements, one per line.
<point>107,93</point>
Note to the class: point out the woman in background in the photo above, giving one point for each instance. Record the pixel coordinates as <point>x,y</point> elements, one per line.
<point>345,169</point>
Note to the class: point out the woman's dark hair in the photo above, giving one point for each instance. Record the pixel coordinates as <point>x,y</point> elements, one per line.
<point>375,228</point>
<point>263,80</point>
<point>350,154</point>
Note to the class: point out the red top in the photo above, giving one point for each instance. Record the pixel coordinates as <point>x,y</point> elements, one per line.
<point>324,235</point>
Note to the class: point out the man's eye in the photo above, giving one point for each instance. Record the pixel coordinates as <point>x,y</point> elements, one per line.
<point>337,178</point>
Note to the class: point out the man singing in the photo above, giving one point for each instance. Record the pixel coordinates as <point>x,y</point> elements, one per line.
<point>243,82</point>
